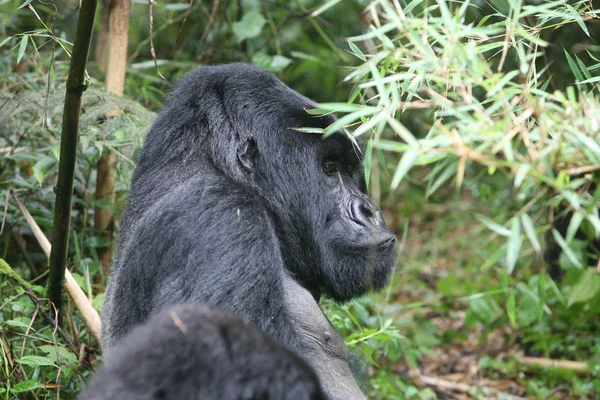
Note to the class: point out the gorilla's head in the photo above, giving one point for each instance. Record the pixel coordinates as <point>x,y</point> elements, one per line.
<point>332,235</point>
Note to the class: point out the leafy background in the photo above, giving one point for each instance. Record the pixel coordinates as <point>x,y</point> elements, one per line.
<point>482,125</point>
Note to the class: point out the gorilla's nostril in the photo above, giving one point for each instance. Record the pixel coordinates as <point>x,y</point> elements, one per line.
<point>362,212</point>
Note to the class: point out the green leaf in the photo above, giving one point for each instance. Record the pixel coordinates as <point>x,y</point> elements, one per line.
<point>586,287</point>
<point>367,162</point>
<point>98,301</point>
<point>17,323</point>
<point>22,47</point>
<point>25,4</point>
<point>502,83</point>
<point>530,232</point>
<point>575,70</point>
<point>486,309</point>
<point>324,8</point>
<point>499,229</point>
<point>514,245</point>
<point>521,174</point>
<point>356,51</point>
<point>36,361</point>
<point>320,131</point>
<point>591,80</point>
<point>279,63</point>
<point>566,249</point>
<point>177,6</point>
<point>41,168</point>
<point>510,310</point>
<point>574,225</point>
<point>25,386</point>
<point>5,41</point>
<point>249,27</point>
<point>572,198</point>
<point>408,160</point>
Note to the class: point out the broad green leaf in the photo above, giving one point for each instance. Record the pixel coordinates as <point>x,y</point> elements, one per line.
<point>486,309</point>
<point>249,27</point>
<point>586,287</point>
<point>514,245</point>
<point>41,168</point>
<point>17,323</point>
<point>279,63</point>
<point>36,361</point>
<point>530,232</point>
<point>25,386</point>
<point>98,301</point>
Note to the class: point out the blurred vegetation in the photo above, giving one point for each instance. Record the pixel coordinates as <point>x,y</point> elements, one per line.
<point>482,120</point>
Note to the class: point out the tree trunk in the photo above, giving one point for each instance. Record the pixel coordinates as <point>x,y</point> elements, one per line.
<point>115,83</point>
<point>101,51</point>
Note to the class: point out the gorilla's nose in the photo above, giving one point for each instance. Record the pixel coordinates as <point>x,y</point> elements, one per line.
<point>363,212</point>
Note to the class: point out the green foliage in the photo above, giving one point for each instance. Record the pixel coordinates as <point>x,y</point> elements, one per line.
<point>482,124</point>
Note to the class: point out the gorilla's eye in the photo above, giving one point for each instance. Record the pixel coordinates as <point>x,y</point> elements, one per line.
<point>330,168</point>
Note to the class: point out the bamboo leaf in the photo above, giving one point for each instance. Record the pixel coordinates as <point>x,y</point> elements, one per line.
<point>514,245</point>
<point>565,248</point>
<point>493,226</point>
<point>22,47</point>
<point>356,51</point>
<point>324,8</point>
<point>530,232</point>
<point>408,160</point>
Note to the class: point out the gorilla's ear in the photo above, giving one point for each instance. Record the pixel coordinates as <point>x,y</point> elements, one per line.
<point>247,154</point>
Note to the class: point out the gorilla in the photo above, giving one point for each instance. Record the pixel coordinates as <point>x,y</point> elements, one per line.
<point>194,351</point>
<point>231,206</point>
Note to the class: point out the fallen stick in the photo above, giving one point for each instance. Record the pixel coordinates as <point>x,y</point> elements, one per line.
<point>464,388</point>
<point>90,316</point>
<point>550,363</point>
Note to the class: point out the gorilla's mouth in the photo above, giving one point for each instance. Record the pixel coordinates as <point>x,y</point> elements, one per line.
<point>384,244</point>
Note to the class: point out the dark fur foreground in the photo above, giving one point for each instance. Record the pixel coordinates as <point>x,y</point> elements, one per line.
<point>198,352</point>
<point>232,207</point>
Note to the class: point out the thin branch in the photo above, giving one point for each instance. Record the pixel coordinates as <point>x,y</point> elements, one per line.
<point>90,316</point>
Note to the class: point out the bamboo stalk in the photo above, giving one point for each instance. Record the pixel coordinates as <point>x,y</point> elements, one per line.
<point>76,85</point>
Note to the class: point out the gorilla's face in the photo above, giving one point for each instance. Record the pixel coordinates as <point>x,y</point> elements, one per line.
<point>358,251</point>
<point>333,236</point>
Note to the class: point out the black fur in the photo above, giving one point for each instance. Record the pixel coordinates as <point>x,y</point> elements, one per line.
<point>194,351</point>
<point>228,201</point>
